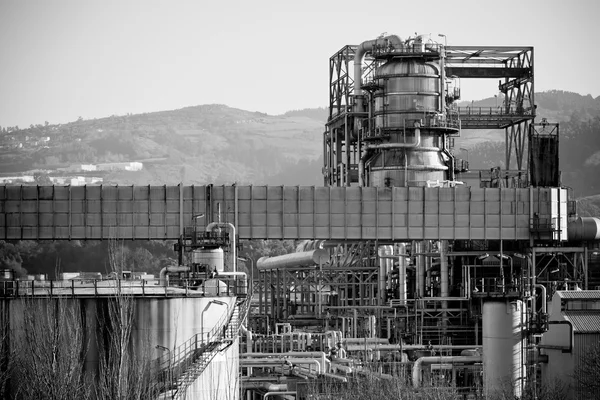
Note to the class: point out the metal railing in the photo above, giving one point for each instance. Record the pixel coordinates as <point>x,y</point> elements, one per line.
<point>495,111</point>
<point>234,286</point>
<point>179,367</point>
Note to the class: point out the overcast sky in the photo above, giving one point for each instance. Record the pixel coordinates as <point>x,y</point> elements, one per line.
<point>61,59</point>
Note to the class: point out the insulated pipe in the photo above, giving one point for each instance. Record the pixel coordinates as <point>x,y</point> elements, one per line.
<point>443,247</point>
<point>232,243</point>
<point>384,252</point>
<point>420,260</point>
<point>274,362</point>
<point>544,301</point>
<point>248,334</point>
<point>298,354</point>
<point>388,347</point>
<point>367,47</point>
<point>293,260</point>
<point>162,276</point>
<point>361,167</point>
<point>584,228</point>
<point>416,372</point>
<point>270,394</point>
<point>275,387</point>
<point>402,273</point>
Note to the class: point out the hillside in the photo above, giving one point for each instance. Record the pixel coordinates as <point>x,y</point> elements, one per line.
<point>196,145</point>
<point>221,145</point>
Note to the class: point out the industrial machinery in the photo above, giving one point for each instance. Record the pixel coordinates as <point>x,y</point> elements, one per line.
<point>408,261</point>
<point>393,116</point>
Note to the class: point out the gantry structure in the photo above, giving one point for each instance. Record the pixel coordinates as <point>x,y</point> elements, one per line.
<point>512,66</point>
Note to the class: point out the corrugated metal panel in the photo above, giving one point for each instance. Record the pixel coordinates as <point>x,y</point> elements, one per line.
<point>277,212</point>
<point>579,294</point>
<point>584,321</point>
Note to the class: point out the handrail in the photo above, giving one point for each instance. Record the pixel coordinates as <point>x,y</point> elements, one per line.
<point>183,357</point>
<point>499,110</point>
<point>109,287</point>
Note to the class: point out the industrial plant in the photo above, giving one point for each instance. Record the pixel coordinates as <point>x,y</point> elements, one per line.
<point>409,265</point>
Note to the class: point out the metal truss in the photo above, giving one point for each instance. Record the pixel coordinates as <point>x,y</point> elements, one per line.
<point>513,66</point>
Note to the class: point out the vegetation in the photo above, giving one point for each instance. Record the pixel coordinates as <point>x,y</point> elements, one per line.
<point>587,373</point>
<point>49,345</point>
<point>78,256</point>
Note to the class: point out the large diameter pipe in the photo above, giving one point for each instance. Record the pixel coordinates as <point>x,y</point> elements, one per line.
<point>232,243</point>
<point>367,47</point>
<point>162,275</point>
<point>544,299</point>
<point>417,367</point>
<point>402,295</point>
<point>294,260</point>
<point>584,229</point>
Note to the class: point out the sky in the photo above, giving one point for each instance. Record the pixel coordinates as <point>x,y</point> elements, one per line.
<point>64,59</point>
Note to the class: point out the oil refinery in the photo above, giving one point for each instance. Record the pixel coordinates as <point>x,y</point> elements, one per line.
<point>409,265</point>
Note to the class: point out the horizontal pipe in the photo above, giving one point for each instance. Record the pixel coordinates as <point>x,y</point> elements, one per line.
<point>270,394</point>
<point>416,373</point>
<point>293,260</point>
<point>162,276</point>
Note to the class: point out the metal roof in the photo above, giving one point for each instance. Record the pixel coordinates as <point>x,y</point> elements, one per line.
<point>584,321</point>
<point>579,294</point>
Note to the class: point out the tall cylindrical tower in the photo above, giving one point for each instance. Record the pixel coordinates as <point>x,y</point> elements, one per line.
<point>406,143</point>
<point>503,347</point>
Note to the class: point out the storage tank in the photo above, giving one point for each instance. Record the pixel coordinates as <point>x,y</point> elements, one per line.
<point>504,324</point>
<point>211,258</point>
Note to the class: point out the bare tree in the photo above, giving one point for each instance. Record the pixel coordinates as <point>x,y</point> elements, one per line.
<point>587,373</point>
<point>49,350</point>
<point>125,367</point>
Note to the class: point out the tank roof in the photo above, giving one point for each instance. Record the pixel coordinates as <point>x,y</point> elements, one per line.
<point>578,294</point>
<point>584,321</point>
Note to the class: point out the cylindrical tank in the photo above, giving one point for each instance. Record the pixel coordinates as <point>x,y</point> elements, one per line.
<point>410,91</point>
<point>211,258</point>
<point>503,347</point>
<point>584,228</point>
<point>294,260</point>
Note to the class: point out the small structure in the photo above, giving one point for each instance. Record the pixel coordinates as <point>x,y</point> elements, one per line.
<point>573,328</point>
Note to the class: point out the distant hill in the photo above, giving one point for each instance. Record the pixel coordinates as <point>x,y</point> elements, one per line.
<point>196,145</point>
<point>218,144</point>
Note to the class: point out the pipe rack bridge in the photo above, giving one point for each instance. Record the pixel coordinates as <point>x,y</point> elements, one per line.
<point>279,212</point>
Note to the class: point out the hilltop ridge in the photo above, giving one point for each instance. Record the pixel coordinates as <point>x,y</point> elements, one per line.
<point>214,143</point>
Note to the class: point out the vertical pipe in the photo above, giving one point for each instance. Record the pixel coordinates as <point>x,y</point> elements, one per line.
<point>402,273</point>
<point>346,152</point>
<point>444,282</point>
<point>420,269</point>
<point>427,249</point>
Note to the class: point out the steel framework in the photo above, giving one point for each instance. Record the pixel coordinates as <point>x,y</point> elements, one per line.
<point>512,66</point>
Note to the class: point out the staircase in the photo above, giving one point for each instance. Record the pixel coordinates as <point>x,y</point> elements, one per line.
<point>190,359</point>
